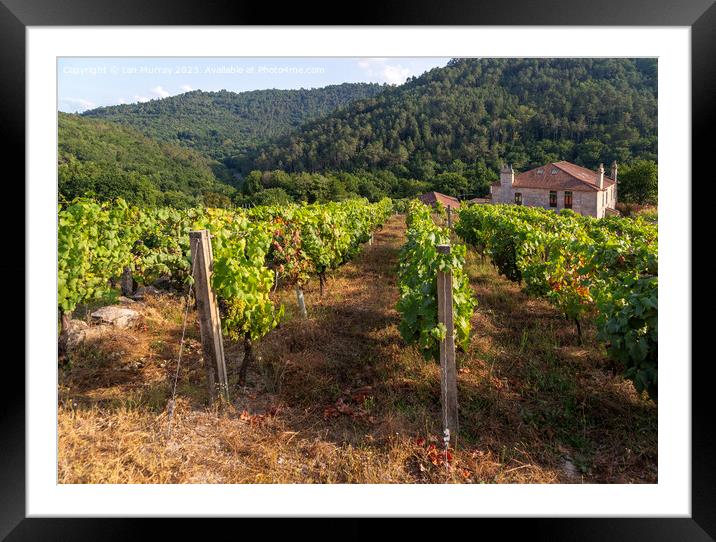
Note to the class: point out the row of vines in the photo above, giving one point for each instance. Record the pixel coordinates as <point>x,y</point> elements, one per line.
<point>420,262</point>
<point>252,248</point>
<point>605,269</point>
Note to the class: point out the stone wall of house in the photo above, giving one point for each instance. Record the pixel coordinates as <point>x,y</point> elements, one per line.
<point>585,203</point>
<point>600,203</point>
<point>606,199</point>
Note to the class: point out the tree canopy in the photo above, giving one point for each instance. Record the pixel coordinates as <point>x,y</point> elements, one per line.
<point>108,161</point>
<point>638,182</point>
<point>523,111</point>
<point>448,130</point>
<point>220,124</point>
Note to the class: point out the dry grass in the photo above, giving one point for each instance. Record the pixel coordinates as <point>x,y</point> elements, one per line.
<point>338,397</point>
<point>527,386</point>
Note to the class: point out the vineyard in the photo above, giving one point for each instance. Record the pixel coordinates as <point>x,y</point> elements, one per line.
<point>330,319</point>
<point>601,268</point>
<point>419,264</point>
<point>252,249</point>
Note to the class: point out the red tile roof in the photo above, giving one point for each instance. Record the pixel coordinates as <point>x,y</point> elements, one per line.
<point>566,176</point>
<point>431,197</point>
<point>480,200</point>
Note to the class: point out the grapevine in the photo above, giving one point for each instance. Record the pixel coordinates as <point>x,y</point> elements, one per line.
<point>98,241</point>
<point>417,281</point>
<point>584,266</point>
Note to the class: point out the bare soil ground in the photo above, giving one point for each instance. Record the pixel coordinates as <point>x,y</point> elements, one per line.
<point>339,398</point>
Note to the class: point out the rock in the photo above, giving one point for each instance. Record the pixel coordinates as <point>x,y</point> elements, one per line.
<point>76,326</point>
<point>163,282</point>
<point>123,299</point>
<point>570,469</point>
<point>116,315</point>
<point>79,332</point>
<point>144,290</point>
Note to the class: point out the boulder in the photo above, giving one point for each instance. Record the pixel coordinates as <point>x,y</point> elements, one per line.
<point>163,283</point>
<point>79,331</point>
<point>570,469</point>
<point>116,315</point>
<point>76,326</point>
<point>144,290</point>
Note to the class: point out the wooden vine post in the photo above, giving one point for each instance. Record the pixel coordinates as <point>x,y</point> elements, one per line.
<point>127,282</point>
<point>449,217</point>
<point>301,301</point>
<point>211,338</point>
<point>448,371</point>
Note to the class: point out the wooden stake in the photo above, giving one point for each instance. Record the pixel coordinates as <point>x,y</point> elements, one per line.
<point>322,282</point>
<point>127,282</point>
<point>301,302</point>
<point>211,339</point>
<point>448,372</point>
<point>449,217</point>
<point>65,318</point>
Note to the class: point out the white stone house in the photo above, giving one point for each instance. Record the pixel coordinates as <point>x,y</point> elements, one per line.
<point>559,185</point>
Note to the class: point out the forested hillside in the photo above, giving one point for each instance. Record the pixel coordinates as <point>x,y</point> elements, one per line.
<point>223,123</point>
<point>109,160</point>
<point>447,130</point>
<point>524,111</point>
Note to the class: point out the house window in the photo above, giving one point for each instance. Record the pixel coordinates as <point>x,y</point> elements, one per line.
<point>567,200</point>
<point>552,198</point>
<point>518,198</point>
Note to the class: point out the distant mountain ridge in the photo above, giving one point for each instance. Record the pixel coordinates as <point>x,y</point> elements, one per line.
<point>448,130</point>
<point>523,111</point>
<point>224,123</point>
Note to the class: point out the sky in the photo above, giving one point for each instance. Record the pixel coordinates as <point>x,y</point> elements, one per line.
<point>86,83</point>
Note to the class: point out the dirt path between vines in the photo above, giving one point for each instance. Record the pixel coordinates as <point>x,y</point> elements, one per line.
<point>339,398</point>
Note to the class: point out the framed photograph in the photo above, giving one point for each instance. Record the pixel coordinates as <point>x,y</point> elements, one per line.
<point>401,266</point>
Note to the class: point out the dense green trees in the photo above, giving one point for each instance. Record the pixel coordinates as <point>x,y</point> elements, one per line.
<point>447,130</point>
<point>273,187</point>
<point>523,111</point>
<point>110,161</point>
<point>220,124</point>
<point>452,184</point>
<point>638,182</point>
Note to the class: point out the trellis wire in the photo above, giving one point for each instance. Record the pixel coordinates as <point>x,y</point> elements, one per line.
<point>446,430</point>
<point>172,401</point>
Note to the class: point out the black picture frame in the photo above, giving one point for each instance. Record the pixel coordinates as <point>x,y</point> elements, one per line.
<point>700,15</point>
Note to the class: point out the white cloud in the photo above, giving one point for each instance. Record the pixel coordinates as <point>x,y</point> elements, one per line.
<point>141,98</point>
<point>76,104</point>
<point>121,101</point>
<point>160,91</point>
<point>186,88</point>
<point>396,75</point>
<point>381,69</point>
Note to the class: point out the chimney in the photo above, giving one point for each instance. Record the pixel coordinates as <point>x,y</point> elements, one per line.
<point>600,173</point>
<point>507,175</point>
